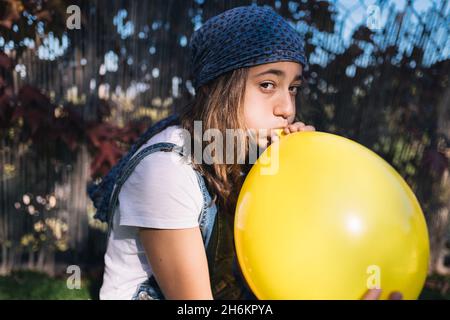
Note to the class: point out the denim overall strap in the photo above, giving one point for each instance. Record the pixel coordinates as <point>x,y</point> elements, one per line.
<point>149,289</point>
<point>209,211</point>
<point>100,193</point>
<point>129,168</point>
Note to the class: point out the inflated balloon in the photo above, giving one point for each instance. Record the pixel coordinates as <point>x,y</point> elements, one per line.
<point>322,217</point>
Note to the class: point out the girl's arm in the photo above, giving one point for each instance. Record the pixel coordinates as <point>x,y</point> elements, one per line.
<point>179,263</point>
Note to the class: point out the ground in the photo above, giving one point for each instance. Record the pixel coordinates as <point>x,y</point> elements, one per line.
<point>24,285</point>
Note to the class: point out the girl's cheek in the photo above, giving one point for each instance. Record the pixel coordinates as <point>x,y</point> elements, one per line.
<point>253,116</point>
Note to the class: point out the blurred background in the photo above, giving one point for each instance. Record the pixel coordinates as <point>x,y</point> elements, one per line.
<point>79,84</point>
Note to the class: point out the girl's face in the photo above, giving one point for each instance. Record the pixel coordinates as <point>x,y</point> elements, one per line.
<point>269,100</point>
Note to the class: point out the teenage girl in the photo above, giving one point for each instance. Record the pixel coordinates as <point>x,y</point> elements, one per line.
<point>170,214</point>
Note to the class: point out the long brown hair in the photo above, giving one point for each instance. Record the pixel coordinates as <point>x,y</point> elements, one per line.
<point>219,105</point>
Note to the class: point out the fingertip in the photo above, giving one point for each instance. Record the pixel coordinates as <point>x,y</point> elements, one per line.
<point>396,296</point>
<point>372,294</point>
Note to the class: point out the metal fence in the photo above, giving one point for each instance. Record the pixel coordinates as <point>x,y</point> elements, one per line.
<point>72,99</point>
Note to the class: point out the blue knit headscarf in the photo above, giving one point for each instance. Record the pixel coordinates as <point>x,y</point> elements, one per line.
<point>242,37</point>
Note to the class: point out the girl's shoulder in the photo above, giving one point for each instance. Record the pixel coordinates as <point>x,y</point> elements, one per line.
<point>172,134</point>
<point>166,164</point>
<point>163,190</point>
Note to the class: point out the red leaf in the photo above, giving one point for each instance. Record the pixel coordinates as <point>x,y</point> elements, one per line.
<point>5,61</point>
<point>102,132</point>
<point>109,153</point>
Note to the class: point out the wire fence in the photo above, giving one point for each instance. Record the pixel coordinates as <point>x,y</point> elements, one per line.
<point>71,100</point>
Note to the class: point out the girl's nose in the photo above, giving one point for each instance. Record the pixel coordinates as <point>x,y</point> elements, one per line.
<point>285,106</point>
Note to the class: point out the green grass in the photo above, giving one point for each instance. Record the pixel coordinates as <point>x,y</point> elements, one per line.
<point>31,285</point>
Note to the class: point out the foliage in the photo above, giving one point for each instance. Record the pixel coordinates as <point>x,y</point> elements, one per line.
<point>371,89</point>
<point>31,285</point>
<point>31,118</point>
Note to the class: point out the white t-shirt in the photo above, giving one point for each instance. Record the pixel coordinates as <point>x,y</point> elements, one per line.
<point>162,192</point>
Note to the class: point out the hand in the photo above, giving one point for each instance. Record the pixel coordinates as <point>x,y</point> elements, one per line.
<point>293,127</point>
<point>298,126</point>
<point>374,294</point>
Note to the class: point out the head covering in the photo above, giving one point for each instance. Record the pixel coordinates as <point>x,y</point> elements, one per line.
<point>242,37</point>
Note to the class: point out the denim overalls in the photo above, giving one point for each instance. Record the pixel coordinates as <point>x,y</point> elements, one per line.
<point>216,229</point>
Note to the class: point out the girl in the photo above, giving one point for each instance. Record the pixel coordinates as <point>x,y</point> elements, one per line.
<point>170,214</point>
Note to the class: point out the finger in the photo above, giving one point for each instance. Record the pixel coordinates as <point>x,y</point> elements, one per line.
<point>395,296</point>
<point>308,128</point>
<point>299,126</point>
<point>372,294</point>
<point>293,127</point>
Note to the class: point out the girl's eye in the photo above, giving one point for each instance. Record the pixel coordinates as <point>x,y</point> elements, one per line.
<point>295,89</point>
<point>266,84</point>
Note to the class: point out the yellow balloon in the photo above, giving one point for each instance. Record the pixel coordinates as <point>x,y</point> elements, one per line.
<point>322,217</point>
